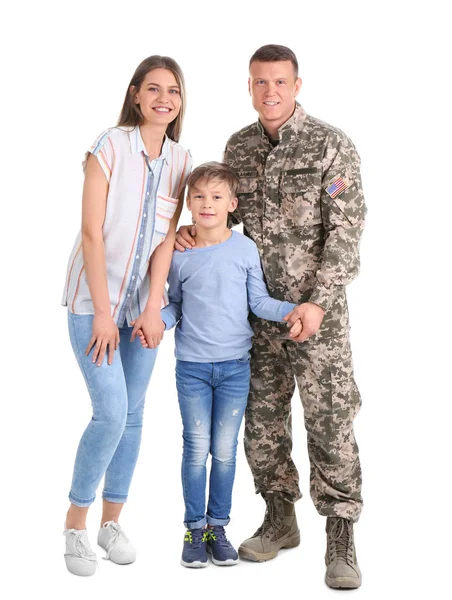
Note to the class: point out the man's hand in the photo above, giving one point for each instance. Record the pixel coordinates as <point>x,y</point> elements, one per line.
<point>149,327</point>
<point>311,317</point>
<point>184,238</point>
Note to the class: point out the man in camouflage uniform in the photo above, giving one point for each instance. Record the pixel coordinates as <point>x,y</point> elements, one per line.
<point>300,200</point>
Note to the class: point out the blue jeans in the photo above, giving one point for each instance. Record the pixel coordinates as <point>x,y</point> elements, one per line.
<point>212,400</point>
<point>111,442</point>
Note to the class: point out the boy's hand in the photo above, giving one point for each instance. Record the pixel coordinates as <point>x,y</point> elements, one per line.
<point>296,329</point>
<point>184,238</point>
<point>311,317</point>
<point>151,326</point>
<point>142,339</point>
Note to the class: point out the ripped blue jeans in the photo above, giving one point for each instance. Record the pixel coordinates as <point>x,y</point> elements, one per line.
<point>212,400</point>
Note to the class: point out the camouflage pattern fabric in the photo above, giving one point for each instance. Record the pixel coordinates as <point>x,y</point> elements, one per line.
<point>309,248</point>
<point>324,375</point>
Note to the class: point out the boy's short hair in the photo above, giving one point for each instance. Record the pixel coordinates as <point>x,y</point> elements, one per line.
<point>275,53</point>
<point>214,170</point>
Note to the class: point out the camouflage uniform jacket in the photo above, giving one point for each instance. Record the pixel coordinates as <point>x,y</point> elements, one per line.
<point>308,241</point>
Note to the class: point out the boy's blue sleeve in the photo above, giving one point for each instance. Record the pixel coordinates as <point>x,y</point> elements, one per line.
<point>259,300</point>
<point>173,312</point>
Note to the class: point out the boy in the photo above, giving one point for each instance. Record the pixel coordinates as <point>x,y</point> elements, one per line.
<point>211,288</point>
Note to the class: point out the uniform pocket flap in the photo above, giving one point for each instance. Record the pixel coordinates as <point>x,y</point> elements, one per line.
<point>298,180</point>
<point>248,185</point>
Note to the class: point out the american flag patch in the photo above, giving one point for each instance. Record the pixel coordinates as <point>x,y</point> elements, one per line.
<point>336,188</point>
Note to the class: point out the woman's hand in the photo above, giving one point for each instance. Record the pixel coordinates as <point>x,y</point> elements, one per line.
<point>149,327</point>
<point>105,334</point>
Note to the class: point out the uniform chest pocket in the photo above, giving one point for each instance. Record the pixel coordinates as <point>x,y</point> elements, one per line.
<point>247,186</point>
<point>250,207</point>
<point>301,196</point>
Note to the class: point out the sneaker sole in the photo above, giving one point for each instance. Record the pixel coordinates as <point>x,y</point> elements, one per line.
<point>122,561</point>
<point>342,583</point>
<point>222,563</point>
<point>196,564</point>
<point>230,562</point>
<point>291,542</point>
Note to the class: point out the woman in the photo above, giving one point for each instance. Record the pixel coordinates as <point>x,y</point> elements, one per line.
<point>135,177</point>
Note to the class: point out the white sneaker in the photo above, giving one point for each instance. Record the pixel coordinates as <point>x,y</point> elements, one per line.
<point>79,557</point>
<point>117,545</point>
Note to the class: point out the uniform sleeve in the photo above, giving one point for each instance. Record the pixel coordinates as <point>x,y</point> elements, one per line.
<point>259,300</point>
<point>172,313</point>
<point>234,218</point>
<point>103,150</point>
<point>343,220</point>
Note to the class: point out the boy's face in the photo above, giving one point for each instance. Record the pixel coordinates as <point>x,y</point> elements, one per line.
<point>210,203</point>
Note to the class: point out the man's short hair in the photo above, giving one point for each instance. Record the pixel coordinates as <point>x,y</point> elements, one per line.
<point>274,53</point>
<point>214,170</point>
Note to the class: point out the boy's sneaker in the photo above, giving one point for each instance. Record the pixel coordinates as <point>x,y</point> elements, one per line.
<point>117,545</point>
<point>220,548</point>
<point>194,553</point>
<point>80,559</point>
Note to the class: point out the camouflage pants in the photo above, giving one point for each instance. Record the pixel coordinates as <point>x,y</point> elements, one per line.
<point>324,374</point>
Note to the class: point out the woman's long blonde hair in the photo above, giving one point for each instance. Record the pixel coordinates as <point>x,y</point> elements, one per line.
<point>131,114</point>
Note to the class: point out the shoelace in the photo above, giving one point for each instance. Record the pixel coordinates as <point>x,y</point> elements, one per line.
<point>118,534</point>
<point>270,520</point>
<point>218,534</point>
<point>81,546</point>
<point>196,537</point>
<point>341,539</point>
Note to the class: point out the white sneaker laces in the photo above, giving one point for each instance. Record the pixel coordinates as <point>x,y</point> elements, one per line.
<point>82,548</point>
<point>115,537</point>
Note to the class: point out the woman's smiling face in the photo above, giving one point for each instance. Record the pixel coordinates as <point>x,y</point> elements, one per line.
<point>159,97</point>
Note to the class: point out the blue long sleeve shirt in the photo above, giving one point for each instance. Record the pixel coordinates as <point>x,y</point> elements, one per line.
<point>210,292</point>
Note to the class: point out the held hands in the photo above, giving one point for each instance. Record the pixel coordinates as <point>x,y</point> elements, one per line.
<point>309,315</point>
<point>296,328</point>
<point>184,238</point>
<point>105,334</point>
<point>149,327</point>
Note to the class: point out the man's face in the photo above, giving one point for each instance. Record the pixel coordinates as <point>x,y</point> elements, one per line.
<point>273,90</point>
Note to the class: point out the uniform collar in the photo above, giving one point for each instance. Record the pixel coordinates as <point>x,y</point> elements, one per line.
<point>289,131</point>
<point>137,144</point>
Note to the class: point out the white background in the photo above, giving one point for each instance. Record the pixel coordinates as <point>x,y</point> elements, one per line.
<point>380,72</point>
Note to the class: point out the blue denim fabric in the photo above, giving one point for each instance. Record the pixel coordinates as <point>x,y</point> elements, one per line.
<point>212,400</point>
<point>111,442</point>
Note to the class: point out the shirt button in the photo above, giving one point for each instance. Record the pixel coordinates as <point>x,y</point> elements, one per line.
<point>137,256</point>
<point>133,277</point>
<point>141,235</point>
<point>128,295</point>
<point>144,215</point>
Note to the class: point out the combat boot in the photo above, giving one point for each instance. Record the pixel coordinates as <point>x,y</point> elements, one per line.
<point>342,569</point>
<point>279,530</point>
